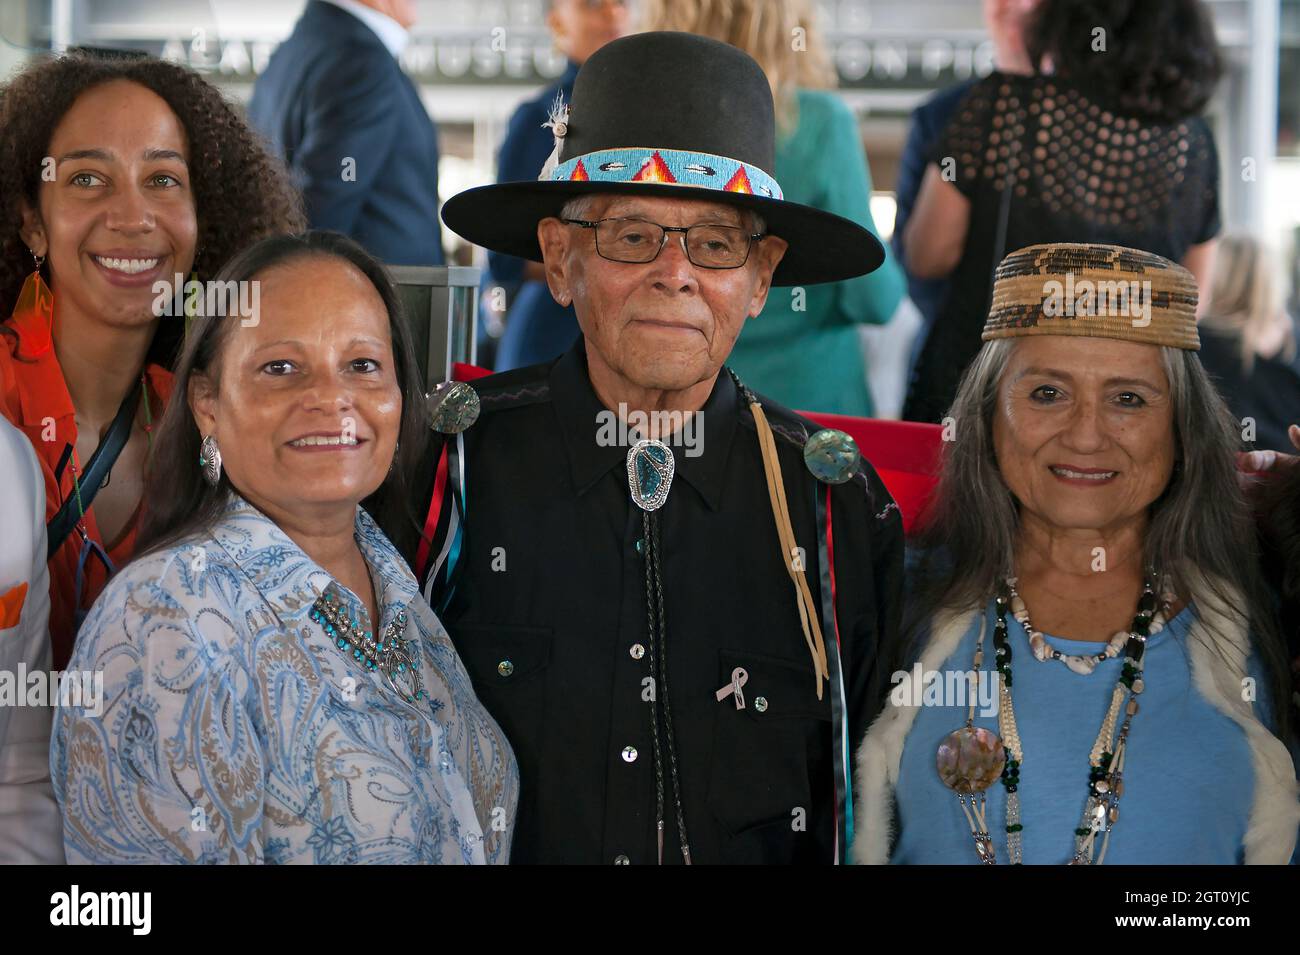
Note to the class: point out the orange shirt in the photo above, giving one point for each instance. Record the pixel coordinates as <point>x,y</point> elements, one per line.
<point>34,397</point>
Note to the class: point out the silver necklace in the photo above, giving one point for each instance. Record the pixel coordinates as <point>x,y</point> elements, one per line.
<point>391,654</point>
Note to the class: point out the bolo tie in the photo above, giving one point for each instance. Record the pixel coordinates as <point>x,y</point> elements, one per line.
<point>650,469</point>
<point>832,457</point>
<point>454,406</point>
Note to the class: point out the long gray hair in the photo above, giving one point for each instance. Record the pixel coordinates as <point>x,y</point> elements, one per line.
<point>1201,521</point>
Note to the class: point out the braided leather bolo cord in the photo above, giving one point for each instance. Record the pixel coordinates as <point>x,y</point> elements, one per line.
<point>659,682</point>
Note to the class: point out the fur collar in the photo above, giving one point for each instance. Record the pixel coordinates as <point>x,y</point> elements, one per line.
<point>1275,812</point>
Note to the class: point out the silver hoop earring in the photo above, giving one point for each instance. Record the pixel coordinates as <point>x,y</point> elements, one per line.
<point>38,259</point>
<point>210,460</point>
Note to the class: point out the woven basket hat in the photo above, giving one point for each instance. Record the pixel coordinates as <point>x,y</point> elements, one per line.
<point>1097,291</point>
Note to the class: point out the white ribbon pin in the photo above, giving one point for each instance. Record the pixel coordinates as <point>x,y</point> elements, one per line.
<point>738,679</point>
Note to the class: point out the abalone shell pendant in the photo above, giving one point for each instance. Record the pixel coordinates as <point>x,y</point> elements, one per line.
<point>650,468</point>
<point>453,407</point>
<point>832,456</point>
<point>970,759</point>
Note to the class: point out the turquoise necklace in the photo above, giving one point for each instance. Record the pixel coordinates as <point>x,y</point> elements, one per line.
<point>391,655</point>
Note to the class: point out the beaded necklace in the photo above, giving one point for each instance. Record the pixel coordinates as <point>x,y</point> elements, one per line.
<point>971,758</point>
<point>1081,663</point>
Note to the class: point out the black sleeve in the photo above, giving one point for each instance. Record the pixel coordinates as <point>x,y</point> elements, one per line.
<point>911,170</point>
<point>960,149</point>
<point>1209,223</point>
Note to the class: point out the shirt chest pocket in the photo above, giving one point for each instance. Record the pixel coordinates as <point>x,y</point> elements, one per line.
<point>765,754</point>
<point>507,665</point>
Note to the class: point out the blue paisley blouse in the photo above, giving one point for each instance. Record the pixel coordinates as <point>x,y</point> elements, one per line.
<point>231,729</point>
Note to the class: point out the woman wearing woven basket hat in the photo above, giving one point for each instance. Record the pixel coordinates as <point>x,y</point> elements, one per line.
<point>1108,682</point>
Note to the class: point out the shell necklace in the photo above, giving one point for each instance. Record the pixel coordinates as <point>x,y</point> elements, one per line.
<point>971,758</point>
<point>1081,663</point>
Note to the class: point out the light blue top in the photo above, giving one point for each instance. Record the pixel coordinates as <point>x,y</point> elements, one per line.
<point>804,350</point>
<point>1188,777</point>
<point>233,730</point>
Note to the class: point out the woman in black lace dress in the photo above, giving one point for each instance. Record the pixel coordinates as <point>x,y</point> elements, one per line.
<point>1103,145</point>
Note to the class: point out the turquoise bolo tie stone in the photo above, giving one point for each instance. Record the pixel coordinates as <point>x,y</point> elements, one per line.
<point>453,407</point>
<point>832,456</point>
<point>650,468</point>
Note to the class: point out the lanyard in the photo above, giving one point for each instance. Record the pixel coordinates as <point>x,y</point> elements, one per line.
<point>89,546</point>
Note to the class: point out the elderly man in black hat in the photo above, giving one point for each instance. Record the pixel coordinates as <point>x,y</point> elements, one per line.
<point>669,591</point>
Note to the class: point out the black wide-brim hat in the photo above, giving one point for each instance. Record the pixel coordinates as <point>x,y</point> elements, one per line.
<point>668,114</point>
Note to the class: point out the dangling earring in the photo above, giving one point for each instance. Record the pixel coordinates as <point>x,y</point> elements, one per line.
<point>210,460</point>
<point>34,313</point>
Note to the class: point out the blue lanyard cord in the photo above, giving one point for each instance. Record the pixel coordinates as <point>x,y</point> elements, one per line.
<point>76,463</point>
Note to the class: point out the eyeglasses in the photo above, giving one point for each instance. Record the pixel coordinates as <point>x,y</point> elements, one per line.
<point>638,241</point>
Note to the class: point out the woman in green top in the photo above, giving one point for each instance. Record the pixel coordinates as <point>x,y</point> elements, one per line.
<point>804,350</point>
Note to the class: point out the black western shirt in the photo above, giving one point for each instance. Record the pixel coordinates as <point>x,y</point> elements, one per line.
<point>548,609</point>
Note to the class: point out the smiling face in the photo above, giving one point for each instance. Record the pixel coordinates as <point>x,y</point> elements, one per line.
<point>119,214</point>
<point>664,325</point>
<point>1084,430</point>
<point>305,405</point>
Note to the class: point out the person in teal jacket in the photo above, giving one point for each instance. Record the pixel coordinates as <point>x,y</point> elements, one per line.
<point>804,349</point>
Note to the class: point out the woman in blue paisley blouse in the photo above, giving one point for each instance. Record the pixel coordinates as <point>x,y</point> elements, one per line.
<point>274,687</point>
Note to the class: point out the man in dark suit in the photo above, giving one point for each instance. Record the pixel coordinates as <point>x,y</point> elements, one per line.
<point>350,123</point>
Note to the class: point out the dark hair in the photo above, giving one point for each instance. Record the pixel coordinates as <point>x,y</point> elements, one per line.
<point>1280,534</point>
<point>1161,60</point>
<point>179,502</point>
<point>241,193</point>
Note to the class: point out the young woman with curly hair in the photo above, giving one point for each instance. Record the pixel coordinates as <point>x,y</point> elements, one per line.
<point>115,174</point>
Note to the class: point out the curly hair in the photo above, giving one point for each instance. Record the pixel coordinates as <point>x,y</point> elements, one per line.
<point>1161,60</point>
<point>241,193</point>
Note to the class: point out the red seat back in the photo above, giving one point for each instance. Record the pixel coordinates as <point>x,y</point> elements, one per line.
<point>462,372</point>
<point>906,455</point>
